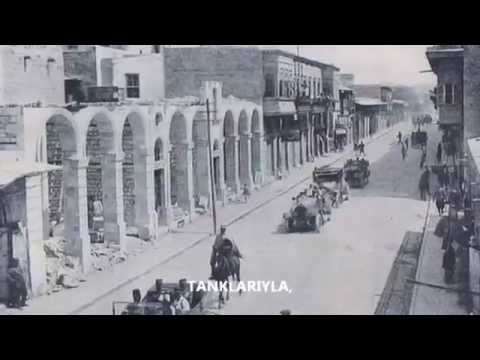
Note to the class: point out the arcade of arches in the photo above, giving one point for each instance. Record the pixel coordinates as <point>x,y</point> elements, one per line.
<point>113,180</point>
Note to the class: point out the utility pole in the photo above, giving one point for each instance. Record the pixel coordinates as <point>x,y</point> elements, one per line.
<point>212,179</point>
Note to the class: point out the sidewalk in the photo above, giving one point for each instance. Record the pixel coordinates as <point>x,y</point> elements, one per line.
<point>428,300</point>
<point>100,284</point>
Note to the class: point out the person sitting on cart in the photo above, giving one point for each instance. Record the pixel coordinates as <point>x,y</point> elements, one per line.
<point>136,307</point>
<point>167,303</point>
<point>181,305</point>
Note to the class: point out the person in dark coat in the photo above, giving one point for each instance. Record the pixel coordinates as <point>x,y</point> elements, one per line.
<point>424,184</point>
<point>404,151</point>
<point>440,200</point>
<point>361,147</point>
<point>406,143</point>
<point>423,159</point>
<point>17,287</point>
<point>439,153</point>
<point>399,137</point>
<point>448,264</point>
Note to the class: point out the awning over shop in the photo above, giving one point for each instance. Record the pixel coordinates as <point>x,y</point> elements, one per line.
<point>11,171</point>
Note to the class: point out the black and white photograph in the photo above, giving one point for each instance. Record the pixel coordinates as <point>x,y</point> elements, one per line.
<point>223,180</point>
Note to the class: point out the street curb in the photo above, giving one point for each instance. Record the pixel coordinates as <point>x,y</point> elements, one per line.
<point>230,222</point>
<point>420,257</point>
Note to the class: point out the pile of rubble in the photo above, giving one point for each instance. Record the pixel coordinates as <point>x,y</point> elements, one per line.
<point>104,257</point>
<point>63,271</point>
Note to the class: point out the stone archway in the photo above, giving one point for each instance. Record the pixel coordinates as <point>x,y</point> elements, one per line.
<point>138,185</point>
<point>180,163</point>
<point>104,182</point>
<point>256,161</point>
<point>66,188</point>
<point>230,156</point>
<point>244,150</point>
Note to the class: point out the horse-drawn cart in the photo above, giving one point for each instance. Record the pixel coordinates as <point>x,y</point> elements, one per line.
<point>155,303</point>
<point>419,139</point>
<point>357,172</point>
<point>332,180</point>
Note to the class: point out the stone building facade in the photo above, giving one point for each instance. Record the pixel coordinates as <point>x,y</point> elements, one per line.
<point>144,162</point>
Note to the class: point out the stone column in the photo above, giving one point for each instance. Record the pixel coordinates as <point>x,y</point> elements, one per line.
<point>221,176</point>
<point>113,211</point>
<point>300,150</point>
<point>144,194</point>
<point>76,210</point>
<point>233,181</point>
<point>287,156</point>
<point>184,177</point>
<point>280,155</point>
<point>293,151</point>
<point>256,163</point>
<point>34,233</point>
<point>245,172</point>
<point>202,169</point>
<point>168,193</point>
<point>307,146</point>
<point>45,205</point>
<point>273,156</point>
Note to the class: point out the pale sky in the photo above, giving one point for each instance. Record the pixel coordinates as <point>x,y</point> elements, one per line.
<point>372,64</point>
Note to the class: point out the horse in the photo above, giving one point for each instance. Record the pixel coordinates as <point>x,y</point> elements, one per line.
<point>227,266</point>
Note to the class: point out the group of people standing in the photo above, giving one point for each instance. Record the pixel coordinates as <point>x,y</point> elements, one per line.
<point>162,301</point>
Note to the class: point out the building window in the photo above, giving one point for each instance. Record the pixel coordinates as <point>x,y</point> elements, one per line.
<point>449,94</point>
<point>158,119</point>
<point>158,150</point>
<point>269,85</point>
<point>26,61</point>
<point>49,65</point>
<point>133,85</point>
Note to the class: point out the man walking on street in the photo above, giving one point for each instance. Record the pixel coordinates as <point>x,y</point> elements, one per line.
<point>399,137</point>
<point>439,153</point>
<point>440,200</point>
<point>406,143</point>
<point>423,159</point>
<point>424,184</point>
<point>448,264</point>
<point>361,147</point>
<point>404,151</point>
